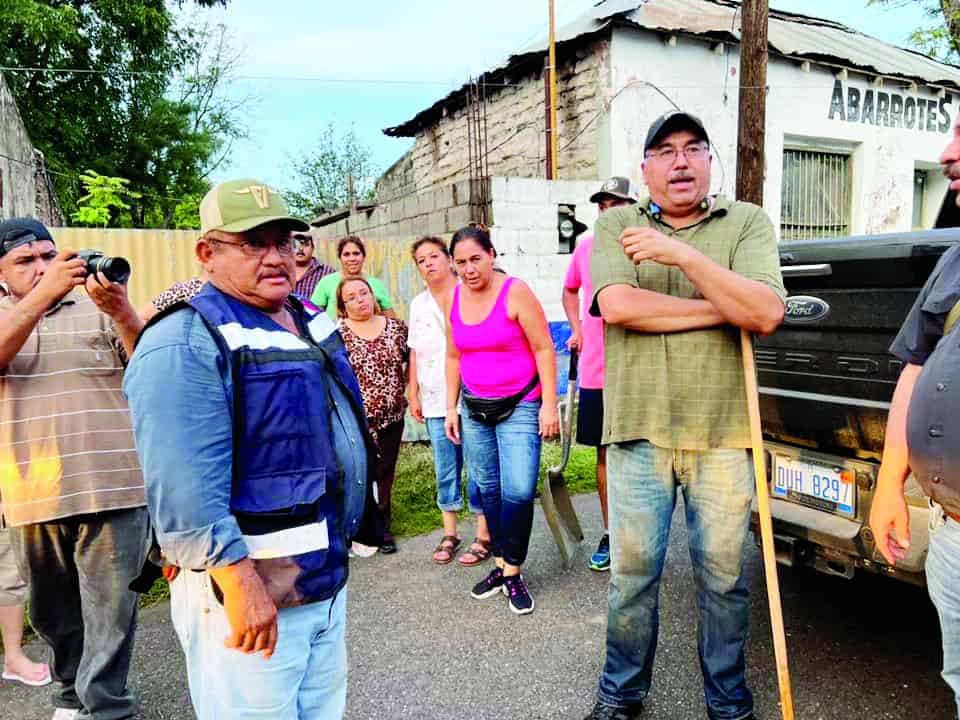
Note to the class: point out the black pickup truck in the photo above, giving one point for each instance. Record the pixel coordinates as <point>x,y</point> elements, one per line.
<point>826,380</point>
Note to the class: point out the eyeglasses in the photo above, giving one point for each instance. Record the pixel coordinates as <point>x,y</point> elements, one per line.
<point>258,246</point>
<point>669,155</point>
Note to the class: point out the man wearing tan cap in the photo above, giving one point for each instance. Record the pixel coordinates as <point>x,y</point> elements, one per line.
<point>252,437</point>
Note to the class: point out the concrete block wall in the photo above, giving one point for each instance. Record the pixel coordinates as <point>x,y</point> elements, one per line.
<point>524,231</point>
<point>438,210</point>
<point>523,225</point>
<point>515,129</point>
<point>18,195</point>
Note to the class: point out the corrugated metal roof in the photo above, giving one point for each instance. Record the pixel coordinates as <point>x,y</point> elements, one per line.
<point>790,35</point>
<point>797,36</point>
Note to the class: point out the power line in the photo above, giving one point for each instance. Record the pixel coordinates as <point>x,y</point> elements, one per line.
<point>266,78</point>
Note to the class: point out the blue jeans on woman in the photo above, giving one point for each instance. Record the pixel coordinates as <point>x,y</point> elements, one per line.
<point>717,487</point>
<point>448,463</point>
<point>943,584</point>
<point>504,461</point>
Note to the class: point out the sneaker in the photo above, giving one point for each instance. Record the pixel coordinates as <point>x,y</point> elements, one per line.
<point>65,714</point>
<point>600,560</point>
<point>602,711</point>
<point>490,585</point>
<point>388,546</point>
<point>363,551</point>
<point>521,602</point>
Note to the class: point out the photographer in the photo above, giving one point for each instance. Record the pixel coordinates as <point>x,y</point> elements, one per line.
<point>71,485</point>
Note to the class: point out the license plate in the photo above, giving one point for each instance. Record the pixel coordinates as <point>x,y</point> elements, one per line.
<point>819,486</point>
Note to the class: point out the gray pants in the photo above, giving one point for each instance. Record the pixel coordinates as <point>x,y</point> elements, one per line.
<point>78,570</point>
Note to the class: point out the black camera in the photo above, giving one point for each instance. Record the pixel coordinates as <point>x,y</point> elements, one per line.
<point>116,269</point>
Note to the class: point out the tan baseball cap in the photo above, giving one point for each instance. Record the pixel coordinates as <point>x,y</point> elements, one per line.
<point>241,205</point>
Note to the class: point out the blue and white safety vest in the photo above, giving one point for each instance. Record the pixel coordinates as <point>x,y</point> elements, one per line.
<point>290,498</point>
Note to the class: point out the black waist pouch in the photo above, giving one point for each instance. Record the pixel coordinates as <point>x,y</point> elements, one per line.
<point>492,411</point>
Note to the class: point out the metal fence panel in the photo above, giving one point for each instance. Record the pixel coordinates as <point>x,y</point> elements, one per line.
<point>158,258</point>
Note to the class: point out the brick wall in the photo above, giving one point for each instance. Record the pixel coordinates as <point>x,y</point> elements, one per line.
<point>515,129</point>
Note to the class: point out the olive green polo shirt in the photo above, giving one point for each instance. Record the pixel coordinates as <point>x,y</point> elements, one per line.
<point>681,390</point>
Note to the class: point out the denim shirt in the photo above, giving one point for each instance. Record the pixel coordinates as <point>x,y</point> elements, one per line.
<point>180,392</point>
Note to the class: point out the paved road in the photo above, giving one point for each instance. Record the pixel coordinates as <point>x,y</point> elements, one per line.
<point>421,648</point>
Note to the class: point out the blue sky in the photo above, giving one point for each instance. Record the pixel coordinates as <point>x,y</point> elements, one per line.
<point>309,62</point>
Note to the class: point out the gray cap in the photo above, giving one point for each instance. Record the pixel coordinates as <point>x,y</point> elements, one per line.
<point>617,187</point>
<point>671,122</point>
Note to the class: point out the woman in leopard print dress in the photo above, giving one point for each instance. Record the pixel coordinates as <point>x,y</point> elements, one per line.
<point>377,346</point>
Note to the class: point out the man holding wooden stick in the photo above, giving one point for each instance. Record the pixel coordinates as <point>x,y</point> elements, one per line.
<point>676,277</point>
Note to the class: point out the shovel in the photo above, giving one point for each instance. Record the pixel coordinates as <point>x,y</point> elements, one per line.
<point>555,499</point>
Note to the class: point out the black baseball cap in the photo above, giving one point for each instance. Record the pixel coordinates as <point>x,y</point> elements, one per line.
<point>20,231</point>
<point>617,187</point>
<point>671,122</point>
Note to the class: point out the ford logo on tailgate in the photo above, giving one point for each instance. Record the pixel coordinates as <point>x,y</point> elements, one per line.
<point>803,309</point>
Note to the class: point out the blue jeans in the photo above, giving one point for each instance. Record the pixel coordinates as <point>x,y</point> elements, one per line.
<point>306,679</point>
<point>504,461</point>
<point>717,487</point>
<point>448,463</point>
<point>943,583</point>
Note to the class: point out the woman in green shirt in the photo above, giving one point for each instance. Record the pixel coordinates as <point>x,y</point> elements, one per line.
<point>352,254</point>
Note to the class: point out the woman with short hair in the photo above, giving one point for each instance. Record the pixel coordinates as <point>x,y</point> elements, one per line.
<point>500,349</point>
<point>427,394</point>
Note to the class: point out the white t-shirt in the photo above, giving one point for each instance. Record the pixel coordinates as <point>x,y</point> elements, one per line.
<point>428,338</point>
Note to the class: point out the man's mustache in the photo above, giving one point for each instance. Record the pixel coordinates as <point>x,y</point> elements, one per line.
<point>680,177</point>
<point>952,170</point>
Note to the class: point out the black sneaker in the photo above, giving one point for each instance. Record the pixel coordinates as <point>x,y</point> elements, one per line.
<point>602,711</point>
<point>388,546</point>
<point>521,602</point>
<point>490,585</point>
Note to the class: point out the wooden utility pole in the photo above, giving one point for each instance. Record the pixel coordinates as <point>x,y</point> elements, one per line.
<point>550,80</point>
<point>753,101</point>
<point>750,171</point>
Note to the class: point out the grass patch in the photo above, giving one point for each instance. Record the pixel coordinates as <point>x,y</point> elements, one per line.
<point>415,492</point>
<point>415,509</point>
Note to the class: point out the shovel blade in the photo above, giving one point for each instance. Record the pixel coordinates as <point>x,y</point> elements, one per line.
<point>561,517</point>
<point>564,506</point>
<point>550,514</point>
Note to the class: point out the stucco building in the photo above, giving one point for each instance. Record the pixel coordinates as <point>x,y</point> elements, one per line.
<point>854,130</point>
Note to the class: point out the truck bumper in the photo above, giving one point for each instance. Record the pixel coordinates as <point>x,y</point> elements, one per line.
<point>807,537</point>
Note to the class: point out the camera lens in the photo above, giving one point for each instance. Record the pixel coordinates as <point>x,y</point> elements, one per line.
<point>116,269</point>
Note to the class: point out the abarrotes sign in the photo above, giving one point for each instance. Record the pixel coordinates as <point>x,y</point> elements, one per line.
<point>880,108</point>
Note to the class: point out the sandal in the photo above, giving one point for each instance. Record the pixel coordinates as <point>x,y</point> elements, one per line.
<point>446,550</point>
<point>478,551</point>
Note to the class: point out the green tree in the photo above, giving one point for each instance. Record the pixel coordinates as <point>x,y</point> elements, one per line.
<point>940,37</point>
<point>135,95</point>
<point>105,198</point>
<point>323,174</point>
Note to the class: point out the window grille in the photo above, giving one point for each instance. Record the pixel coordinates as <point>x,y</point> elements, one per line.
<point>816,195</point>
<point>919,195</point>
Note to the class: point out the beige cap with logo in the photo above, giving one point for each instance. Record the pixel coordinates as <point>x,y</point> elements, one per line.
<point>241,205</point>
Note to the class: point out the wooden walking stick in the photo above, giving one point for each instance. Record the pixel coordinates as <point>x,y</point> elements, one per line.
<point>766,527</point>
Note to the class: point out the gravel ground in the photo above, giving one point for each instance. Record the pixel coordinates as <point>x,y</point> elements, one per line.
<point>420,647</point>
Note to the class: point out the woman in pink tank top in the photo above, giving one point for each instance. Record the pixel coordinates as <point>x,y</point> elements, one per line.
<point>499,346</point>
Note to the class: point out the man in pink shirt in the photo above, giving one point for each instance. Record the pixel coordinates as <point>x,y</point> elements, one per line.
<point>587,337</point>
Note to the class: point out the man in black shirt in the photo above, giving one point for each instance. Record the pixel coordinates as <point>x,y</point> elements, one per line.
<point>923,432</point>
